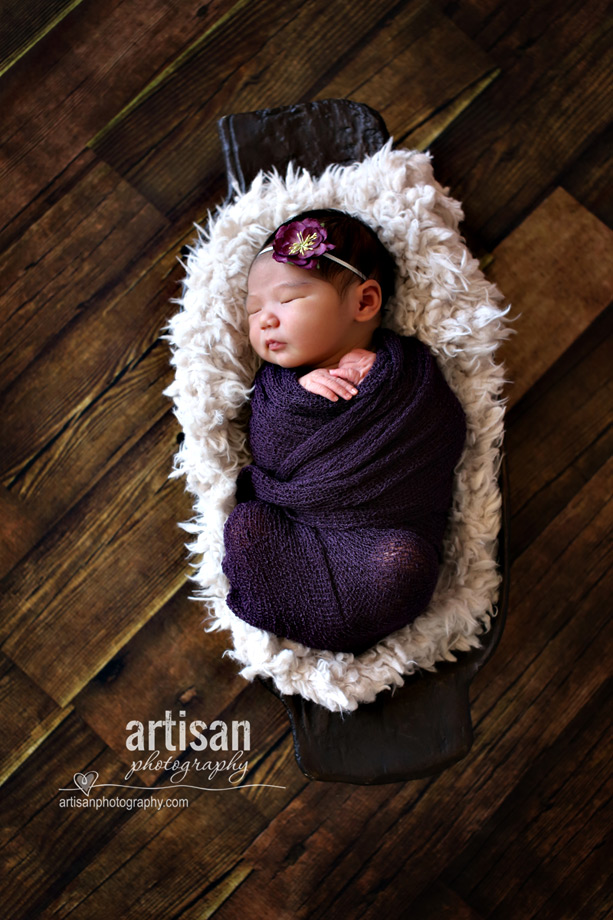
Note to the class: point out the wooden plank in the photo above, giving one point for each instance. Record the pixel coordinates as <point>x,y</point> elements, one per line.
<point>588,178</point>
<point>20,528</point>
<point>393,74</point>
<point>57,187</point>
<point>72,377</point>
<point>160,864</point>
<point>27,715</point>
<point>601,900</point>
<point>548,819</point>
<point>440,902</point>
<point>43,845</point>
<point>24,24</point>
<point>558,287</point>
<point>423,135</point>
<point>71,427</point>
<point>306,854</point>
<point>545,678</point>
<point>171,664</point>
<point>85,71</point>
<point>507,149</point>
<point>559,437</point>
<point>206,905</point>
<point>101,572</point>
<point>95,388</point>
<point>166,143</point>
<point>80,245</point>
<point>545,581</point>
<point>100,424</point>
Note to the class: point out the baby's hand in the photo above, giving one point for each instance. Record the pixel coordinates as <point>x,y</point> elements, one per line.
<point>355,365</point>
<point>320,382</point>
<point>352,368</point>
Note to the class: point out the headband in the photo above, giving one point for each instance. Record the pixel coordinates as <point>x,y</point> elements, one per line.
<point>302,242</point>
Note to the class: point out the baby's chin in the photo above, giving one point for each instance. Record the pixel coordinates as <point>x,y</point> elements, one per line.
<point>283,357</point>
<point>286,357</point>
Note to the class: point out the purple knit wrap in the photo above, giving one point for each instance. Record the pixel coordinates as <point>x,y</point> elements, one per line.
<point>336,537</point>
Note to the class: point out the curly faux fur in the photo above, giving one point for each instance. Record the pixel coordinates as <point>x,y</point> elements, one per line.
<point>444,299</point>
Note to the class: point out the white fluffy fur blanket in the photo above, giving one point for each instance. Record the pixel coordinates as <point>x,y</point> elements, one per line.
<point>444,299</point>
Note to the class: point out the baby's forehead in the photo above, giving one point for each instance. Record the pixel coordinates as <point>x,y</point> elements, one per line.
<point>266,275</point>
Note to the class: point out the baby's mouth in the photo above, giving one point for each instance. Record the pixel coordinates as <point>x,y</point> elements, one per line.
<point>273,344</point>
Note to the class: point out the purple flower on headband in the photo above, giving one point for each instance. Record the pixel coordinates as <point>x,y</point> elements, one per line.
<point>301,243</point>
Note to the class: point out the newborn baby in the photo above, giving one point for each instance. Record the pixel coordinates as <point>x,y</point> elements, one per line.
<point>336,537</point>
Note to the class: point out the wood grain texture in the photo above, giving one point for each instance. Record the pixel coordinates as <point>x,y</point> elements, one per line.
<point>497,871</point>
<point>34,209</point>
<point>21,527</point>
<point>61,608</point>
<point>588,178</point>
<point>104,418</point>
<point>50,274</point>
<point>95,388</point>
<point>36,834</point>
<point>24,24</point>
<point>27,715</point>
<point>560,434</point>
<point>387,74</point>
<point>506,152</point>
<point>570,625</point>
<point>556,285</point>
<point>53,101</point>
<point>440,902</point>
<point>167,145</point>
<point>206,904</point>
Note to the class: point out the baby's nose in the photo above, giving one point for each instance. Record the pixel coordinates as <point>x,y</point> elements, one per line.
<point>267,319</point>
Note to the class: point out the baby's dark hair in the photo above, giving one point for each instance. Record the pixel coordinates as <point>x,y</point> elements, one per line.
<point>354,242</point>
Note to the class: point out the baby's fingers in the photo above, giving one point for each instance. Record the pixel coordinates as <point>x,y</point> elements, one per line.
<point>351,374</point>
<point>320,390</point>
<point>331,388</point>
<point>342,387</point>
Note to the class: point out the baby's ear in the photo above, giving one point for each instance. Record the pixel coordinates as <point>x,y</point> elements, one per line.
<point>370,299</point>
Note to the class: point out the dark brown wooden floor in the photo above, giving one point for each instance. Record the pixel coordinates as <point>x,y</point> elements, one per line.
<point>109,155</point>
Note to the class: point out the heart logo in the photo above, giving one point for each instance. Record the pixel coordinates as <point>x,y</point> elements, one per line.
<point>85,781</point>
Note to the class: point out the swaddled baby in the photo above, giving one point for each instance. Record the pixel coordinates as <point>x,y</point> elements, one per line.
<point>336,538</point>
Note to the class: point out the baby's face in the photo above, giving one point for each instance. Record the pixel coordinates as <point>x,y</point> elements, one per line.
<point>295,317</point>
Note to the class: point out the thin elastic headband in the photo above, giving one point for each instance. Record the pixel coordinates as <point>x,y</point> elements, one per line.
<point>328,256</point>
